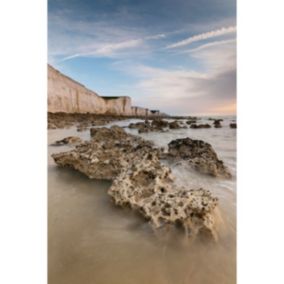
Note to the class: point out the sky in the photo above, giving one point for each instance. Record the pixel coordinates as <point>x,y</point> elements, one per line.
<point>178,56</point>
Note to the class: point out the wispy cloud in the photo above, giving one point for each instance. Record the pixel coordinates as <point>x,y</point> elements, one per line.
<point>107,50</point>
<point>203,36</point>
<point>210,45</point>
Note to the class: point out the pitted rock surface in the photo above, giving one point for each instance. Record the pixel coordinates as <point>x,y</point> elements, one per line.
<point>200,155</point>
<point>105,155</point>
<point>149,187</point>
<point>141,181</point>
<point>71,140</point>
<point>156,125</point>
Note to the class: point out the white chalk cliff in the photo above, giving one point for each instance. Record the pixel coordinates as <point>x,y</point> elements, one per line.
<point>67,95</point>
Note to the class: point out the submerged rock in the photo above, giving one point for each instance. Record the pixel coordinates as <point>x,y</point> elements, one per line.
<point>68,140</point>
<point>191,121</point>
<point>197,126</point>
<point>200,155</point>
<point>217,123</point>
<point>159,123</point>
<point>175,125</point>
<point>155,125</point>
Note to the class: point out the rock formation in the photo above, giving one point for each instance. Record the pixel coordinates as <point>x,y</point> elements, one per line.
<point>141,181</point>
<point>71,140</point>
<point>148,186</point>
<point>105,155</point>
<point>198,126</point>
<point>200,155</point>
<point>217,123</point>
<point>233,125</point>
<point>191,121</point>
<point>157,124</point>
<point>81,120</point>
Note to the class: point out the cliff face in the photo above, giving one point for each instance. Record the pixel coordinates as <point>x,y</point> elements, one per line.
<point>118,105</point>
<point>139,111</point>
<point>67,95</point>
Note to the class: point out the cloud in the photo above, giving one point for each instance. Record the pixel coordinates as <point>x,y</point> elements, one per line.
<point>70,38</point>
<point>107,49</point>
<point>210,45</point>
<point>185,91</point>
<point>203,36</point>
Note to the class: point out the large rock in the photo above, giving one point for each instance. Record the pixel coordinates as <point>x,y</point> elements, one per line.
<point>148,186</point>
<point>103,157</point>
<point>200,155</point>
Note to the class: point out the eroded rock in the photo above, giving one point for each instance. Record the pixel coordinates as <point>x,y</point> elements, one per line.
<point>175,125</point>
<point>149,187</point>
<point>71,140</point>
<point>217,123</point>
<point>200,155</point>
<point>197,126</point>
<point>191,121</point>
<point>103,157</point>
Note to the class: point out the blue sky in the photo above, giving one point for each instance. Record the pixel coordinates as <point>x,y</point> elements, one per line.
<point>177,56</point>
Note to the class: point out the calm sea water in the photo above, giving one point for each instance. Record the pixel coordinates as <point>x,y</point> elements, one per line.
<point>91,241</point>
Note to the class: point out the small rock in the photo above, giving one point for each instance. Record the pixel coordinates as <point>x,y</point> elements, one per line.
<point>197,126</point>
<point>68,140</point>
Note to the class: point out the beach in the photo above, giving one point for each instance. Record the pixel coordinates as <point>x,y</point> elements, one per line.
<point>93,241</point>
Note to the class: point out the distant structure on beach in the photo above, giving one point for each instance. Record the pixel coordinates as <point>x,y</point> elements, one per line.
<point>68,95</point>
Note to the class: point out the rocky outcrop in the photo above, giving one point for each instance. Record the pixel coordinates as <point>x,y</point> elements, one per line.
<point>200,155</point>
<point>82,120</point>
<point>71,140</point>
<point>140,181</point>
<point>175,125</point>
<point>148,186</point>
<point>198,126</point>
<point>191,121</point>
<point>105,155</point>
<point>217,123</point>
<point>157,124</point>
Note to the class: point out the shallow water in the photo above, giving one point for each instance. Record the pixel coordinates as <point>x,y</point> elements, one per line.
<point>92,241</point>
